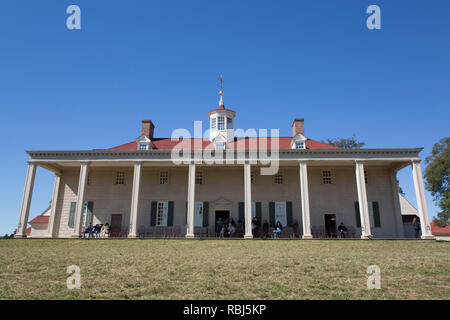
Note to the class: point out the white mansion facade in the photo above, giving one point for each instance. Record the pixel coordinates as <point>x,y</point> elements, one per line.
<point>141,192</point>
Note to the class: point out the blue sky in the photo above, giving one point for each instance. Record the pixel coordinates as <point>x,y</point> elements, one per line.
<point>159,60</point>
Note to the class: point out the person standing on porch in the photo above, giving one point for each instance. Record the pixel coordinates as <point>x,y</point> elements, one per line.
<point>265,228</point>
<point>416,225</point>
<point>219,225</point>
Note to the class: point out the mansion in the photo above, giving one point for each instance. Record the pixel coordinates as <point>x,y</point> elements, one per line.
<point>141,191</point>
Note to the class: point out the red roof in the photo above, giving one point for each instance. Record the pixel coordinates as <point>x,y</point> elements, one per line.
<point>29,230</point>
<point>439,231</point>
<point>260,143</point>
<point>40,219</point>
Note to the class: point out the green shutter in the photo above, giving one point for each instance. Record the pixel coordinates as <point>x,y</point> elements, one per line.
<point>289,213</point>
<point>357,215</point>
<point>73,207</point>
<point>376,214</point>
<point>90,210</point>
<point>258,212</point>
<point>241,212</point>
<point>206,214</point>
<point>153,214</point>
<point>170,215</point>
<point>186,212</point>
<point>272,214</point>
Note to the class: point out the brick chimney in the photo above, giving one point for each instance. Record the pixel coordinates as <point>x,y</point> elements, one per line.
<point>147,128</point>
<point>298,126</point>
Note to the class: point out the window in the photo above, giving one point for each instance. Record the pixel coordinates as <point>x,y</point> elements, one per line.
<point>198,177</point>
<point>143,146</point>
<point>299,145</point>
<point>278,178</point>
<point>162,213</point>
<point>365,177</point>
<point>374,214</point>
<point>326,176</point>
<point>198,214</point>
<point>221,123</point>
<point>164,177</point>
<point>120,177</point>
<point>219,146</point>
<point>280,213</point>
<point>213,123</point>
<point>83,219</point>
<point>229,123</point>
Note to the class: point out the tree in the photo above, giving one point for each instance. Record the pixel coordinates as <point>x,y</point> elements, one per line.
<point>346,143</point>
<point>437,175</point>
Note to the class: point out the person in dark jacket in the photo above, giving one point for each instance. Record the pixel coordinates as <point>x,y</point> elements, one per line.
<point>416,225</point>
<point>342,230</point>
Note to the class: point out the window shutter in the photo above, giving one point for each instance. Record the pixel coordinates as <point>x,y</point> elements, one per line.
<point>206,214</point>
<point>90,210</point>
<point>170,214</point>
<point>272,214</point>
<point>376,214</point>
<point>289,213</point>
<point>153,214</point>
<point>357,215</point>
<point>241,212</point>
<point>186,212</point>
<point>73,206</point>
<point>258,212</point>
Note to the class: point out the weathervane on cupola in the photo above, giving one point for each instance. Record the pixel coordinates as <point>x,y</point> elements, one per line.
<point>221,122</point>
<point>221,104</point>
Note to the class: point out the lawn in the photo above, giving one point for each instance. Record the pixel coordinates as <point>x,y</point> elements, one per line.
<point>224,269</point>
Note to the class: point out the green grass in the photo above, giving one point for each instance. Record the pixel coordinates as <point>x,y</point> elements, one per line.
<point>221,269</point>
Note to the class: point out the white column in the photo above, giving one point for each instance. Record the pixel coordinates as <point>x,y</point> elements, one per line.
<point>26,202</point>
<point>248,200</point>
<point>135,199</point>
<point>191,201</point>
<point>51,223</point>
<point>80,198</point>
<point>421,200</point>
<point>304,194</point>
<point>397,207</point>
<point>362,199</point>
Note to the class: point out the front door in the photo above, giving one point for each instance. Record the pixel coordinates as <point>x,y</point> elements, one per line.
<point>330,225</point>
<point>116,225</point>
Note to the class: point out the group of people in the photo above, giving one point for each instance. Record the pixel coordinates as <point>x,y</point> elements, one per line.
<point>99,230</point>
<point>225,228</point>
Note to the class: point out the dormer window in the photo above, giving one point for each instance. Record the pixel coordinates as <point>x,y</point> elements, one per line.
<point>221,123</point>
<point>143,146</point>
<point>299,142</point>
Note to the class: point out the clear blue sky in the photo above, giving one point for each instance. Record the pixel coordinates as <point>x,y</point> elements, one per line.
<point>159,60</point>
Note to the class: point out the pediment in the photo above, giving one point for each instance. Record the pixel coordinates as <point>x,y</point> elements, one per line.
<point>143,139</point>
<point>220,138</point>
<point>222,203</point>
<point>299,138</point>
